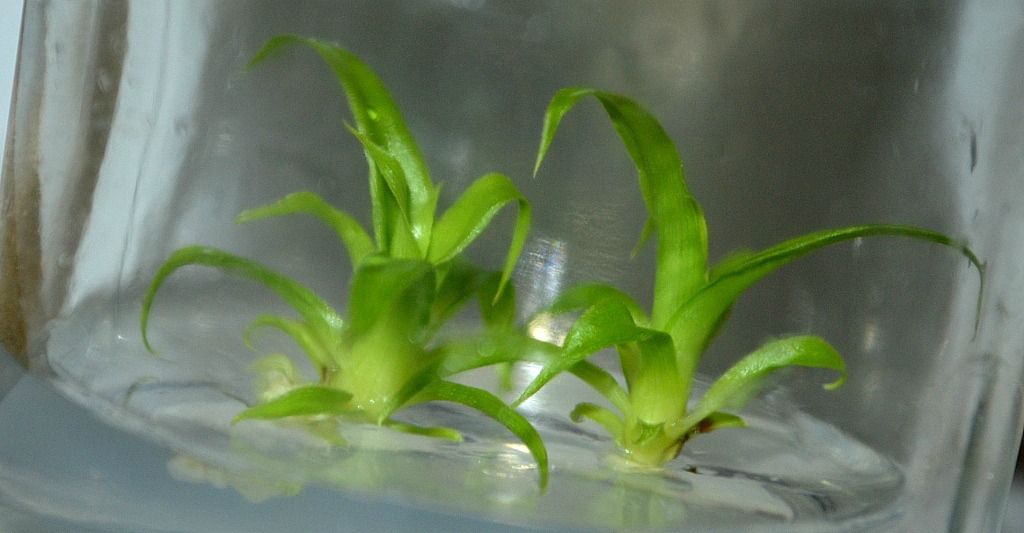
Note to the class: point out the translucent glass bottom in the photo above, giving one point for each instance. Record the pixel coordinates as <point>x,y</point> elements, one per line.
<point>787,471</point>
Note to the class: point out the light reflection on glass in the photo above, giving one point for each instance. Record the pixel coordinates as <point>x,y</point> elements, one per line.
<point>545,328</point>
<point>871,338</point>
<point>542,273</point>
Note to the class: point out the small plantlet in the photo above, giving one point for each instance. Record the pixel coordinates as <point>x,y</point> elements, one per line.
<point>659,352</point>
<point>385,353</point>
<point>408,280</point>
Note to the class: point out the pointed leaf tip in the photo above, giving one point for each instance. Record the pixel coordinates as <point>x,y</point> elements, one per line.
<point>357,242</point>
<point>675,216</point>
<point>733,388</point>
<point>272,47</point>
<point>471,213</point>
<point>605,324</point>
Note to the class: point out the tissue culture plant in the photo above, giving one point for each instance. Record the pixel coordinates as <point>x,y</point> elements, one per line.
<point>408,280</point>
<point>659,352</point>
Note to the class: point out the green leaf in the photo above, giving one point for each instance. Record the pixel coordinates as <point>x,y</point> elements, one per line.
<point>656,391</point>
<point>643,433</point>
<point>460,280</point>
<point>403,239</point>
<point>729,263</point>
<point>390,169</point>
<point>604,383</point>
<point>583,296</point>
<point>302,334</point>
<point>471,213</point>
<point>675,216</point>
<point>357,242</point>
<point>605,418</point>
<point>399,240</point>
<point>607,323</point>
<point>733,388</point>
<point>695,322</point>
<point>493,347</point>
<point>645,235</point>
<point>491,406</point>
<point>498,311</point>
<point>378,118</point>
<point>433,432</point>
<point>315,311</point>
<point>385,287</point>
<point>497,306</point>
<point>407,394</point>
<point>304,401</point>
<point>719,420</point>
<point>713,422</point>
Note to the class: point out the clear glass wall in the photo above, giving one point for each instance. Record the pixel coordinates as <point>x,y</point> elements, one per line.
<point>136,130</point>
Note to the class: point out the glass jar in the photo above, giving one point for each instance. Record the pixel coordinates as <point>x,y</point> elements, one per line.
<point>136,129</point>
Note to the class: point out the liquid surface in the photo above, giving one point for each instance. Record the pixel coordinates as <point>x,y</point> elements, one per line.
<point>786,471</point>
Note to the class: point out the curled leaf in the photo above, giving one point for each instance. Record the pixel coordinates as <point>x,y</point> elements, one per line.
<point>315,311</point>
<point>675,216</point>
<point>357,242</point>
<point>583,296</point>
<point>471,213</point>
<point>692,325</point>
<point>303,335</point>
<point>605,418</point>
<point>733,388</point>
<point>377,118</point>
<point>491,406</point>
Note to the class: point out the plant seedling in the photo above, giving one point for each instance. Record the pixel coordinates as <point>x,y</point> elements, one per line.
<point>408,280</point>
<point>659,352</point>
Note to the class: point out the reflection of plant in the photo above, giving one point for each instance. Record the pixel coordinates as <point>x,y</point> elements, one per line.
<point>408,280</point>
<point>659,352</point>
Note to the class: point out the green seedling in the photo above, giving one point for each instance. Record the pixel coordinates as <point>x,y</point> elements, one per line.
<point>659,351</point>
<point>408,280</point>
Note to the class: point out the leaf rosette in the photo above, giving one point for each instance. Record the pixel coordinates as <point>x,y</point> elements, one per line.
<point>409,278</point>
<point>658,352</point>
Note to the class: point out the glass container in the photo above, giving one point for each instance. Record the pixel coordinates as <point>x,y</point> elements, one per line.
<point>137,129</point>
